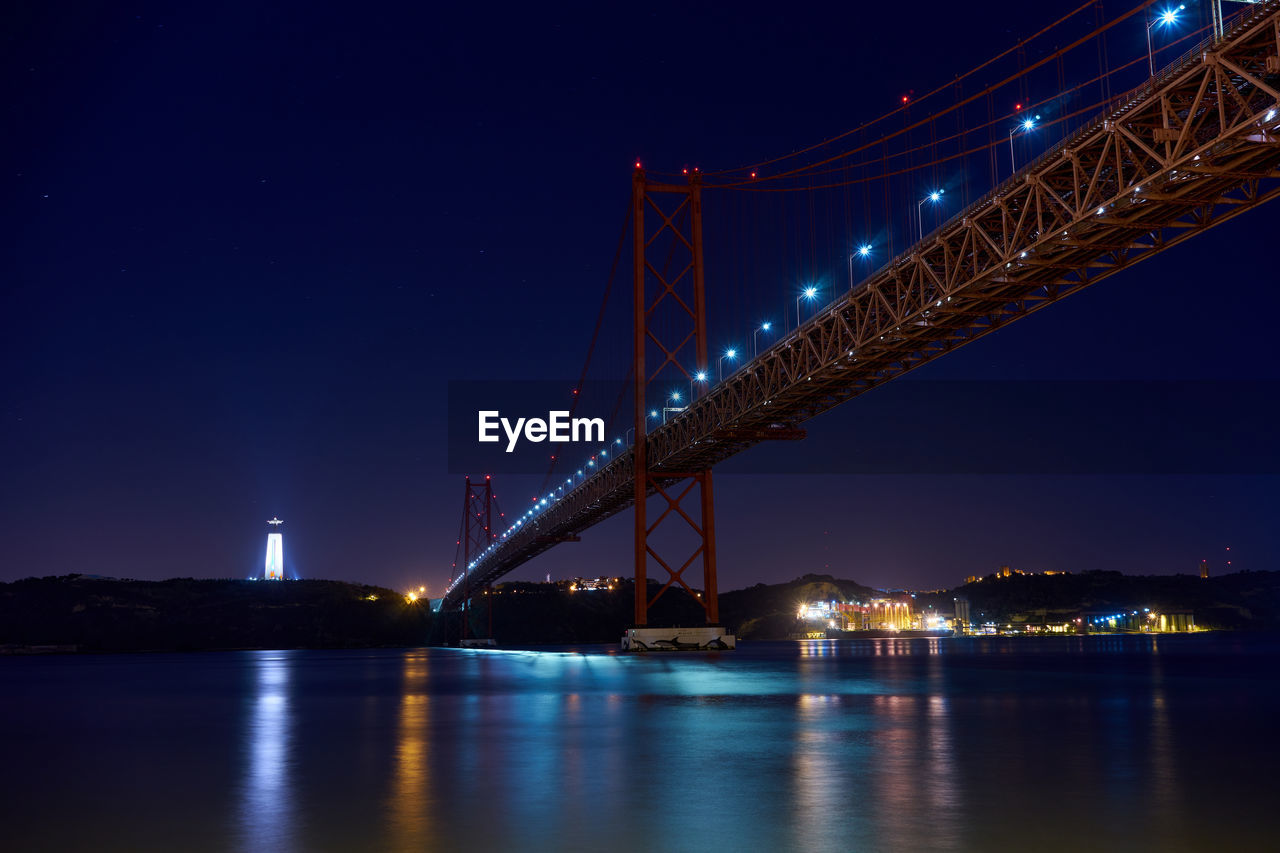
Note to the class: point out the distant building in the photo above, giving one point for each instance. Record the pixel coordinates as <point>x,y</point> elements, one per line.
<point>1143,621</point>
<point>962,614</point>
<point>590,584</point>
<point>275,551</point>
<point>1175,622</point>
<point>878,614</point>
<point>1204,569</point>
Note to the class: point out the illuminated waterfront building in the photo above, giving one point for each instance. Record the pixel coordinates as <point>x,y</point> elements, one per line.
<point>275,551</point>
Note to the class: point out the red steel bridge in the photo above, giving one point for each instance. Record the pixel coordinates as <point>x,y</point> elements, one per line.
<point>1193,147</point>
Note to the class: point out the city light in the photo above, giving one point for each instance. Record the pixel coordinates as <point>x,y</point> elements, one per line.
<point>864,250</point>
<point>730,354</point>
<point>763,327</point>
<point>809,293</point>
<point>1027,125</point>
<point>1165,19</point>
<point>700,376</point>
<point>934,196</point>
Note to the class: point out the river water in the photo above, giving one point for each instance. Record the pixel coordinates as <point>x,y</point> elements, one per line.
<point>1137,743</point>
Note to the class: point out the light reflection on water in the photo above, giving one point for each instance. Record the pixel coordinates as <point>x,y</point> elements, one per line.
<point>412,798</point>
<point>897,744</point>
<point>266,804</point>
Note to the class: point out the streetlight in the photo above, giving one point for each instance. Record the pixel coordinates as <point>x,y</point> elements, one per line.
<point>700,376</point>
<point>809,293</point>
<point>675,398</point>
<point>935,197</point>
<point>764,327</point>
<point>653,413</point>
<point>730,354</point>
<point>864,251</point>
<point>1026,126</point>
<point>1167,17</point>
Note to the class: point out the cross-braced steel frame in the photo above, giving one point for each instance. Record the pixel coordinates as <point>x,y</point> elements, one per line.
<point>1196,146</point>
<point>683,287</point>
<point>476,535</point>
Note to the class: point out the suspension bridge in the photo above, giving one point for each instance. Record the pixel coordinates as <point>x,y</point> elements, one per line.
<point>1193,146</point>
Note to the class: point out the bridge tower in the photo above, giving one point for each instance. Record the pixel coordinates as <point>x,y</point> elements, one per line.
<point>669,297</point>
<point>476,535</point>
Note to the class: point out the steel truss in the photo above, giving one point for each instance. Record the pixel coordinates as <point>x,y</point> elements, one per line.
<point>683,288</point>
<point>1192,148</point>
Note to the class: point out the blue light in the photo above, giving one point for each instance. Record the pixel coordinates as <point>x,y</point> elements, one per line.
<point>675,395</point>
<point>731,353</point>
<point>701,377</point>
<point>864,250</point>
<point>936,195</point>
<point>765,326</point>
<point>810,292</point>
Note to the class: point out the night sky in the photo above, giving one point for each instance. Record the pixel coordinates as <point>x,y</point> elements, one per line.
<point>247,246</point>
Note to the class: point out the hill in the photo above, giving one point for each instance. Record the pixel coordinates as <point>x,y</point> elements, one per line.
<point>1243,600</point>
<point>101,614</point>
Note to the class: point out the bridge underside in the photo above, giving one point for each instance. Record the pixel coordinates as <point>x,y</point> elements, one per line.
<point>1196,146</point>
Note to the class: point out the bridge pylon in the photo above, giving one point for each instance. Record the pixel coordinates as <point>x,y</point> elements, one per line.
<point>476,535</point>
<point>669,301</point>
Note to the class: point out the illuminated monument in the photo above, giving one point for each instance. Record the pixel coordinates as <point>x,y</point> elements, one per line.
<point>275,551</point>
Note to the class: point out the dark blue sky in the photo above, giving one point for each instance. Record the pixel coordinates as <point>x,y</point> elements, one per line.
<point>247,245</point>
